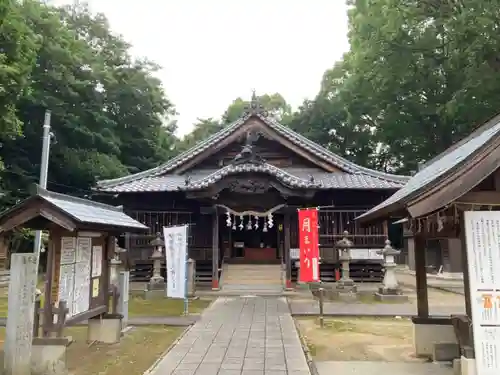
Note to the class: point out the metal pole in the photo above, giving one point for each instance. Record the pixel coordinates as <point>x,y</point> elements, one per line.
<point>44,167</point>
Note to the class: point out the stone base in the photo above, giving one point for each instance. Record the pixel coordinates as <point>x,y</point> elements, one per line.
<point>391,298</point>
<point>48,356</point>
<point>345,295</point>
<point>156,285</point>
<point>428,332</point>
<point>154,294</point>
<point>106,329</point>
<point>445,352</point>
<point>467,366</point>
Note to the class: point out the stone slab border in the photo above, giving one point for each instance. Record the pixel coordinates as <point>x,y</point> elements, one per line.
<point>153,367</point>
<point>310,361</point>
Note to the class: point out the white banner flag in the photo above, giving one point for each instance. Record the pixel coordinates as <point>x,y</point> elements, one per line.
<point>175,256</point>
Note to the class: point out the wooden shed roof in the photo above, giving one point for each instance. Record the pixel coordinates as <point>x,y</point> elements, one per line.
<point>68,212</point>
<point>471,160</point>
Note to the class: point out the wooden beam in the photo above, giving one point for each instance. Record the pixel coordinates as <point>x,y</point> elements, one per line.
<point>288,262</point>
<point>19,218</point>
<point>215,249</point>
<point>481,197</point>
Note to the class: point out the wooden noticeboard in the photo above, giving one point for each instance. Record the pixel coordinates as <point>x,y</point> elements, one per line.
<point>79,271</point>
<point>482,232</point>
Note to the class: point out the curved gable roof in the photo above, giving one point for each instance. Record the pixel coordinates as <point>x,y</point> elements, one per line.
<point>297,139</point>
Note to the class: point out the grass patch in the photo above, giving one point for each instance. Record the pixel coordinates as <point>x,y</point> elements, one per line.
<point>138,349</point>
<point>359,339</point>
<point>138,306</point>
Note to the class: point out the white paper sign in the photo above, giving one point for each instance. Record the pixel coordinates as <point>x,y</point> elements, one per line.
<point>83,249</point>
<point>482,232</point>
<point>96,261</point>
<point>176,256</point>
<point>68,250</point>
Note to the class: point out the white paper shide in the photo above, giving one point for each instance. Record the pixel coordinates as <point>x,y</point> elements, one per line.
<point>176,254</point>
<point>482,232</point>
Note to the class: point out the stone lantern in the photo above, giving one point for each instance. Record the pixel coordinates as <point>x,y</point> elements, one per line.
<point>390,289</point>
<point>115,263</point>
<point>157,282</point>
<point>345,287</point>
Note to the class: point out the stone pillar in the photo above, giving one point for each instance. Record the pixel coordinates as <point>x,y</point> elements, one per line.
<point>157,282</point>
<point>19,330</point>
<point>390,289</point>
<point>123,288</point>
<point>345,287</point>
<point>191,277</point>
<point>114,264</point>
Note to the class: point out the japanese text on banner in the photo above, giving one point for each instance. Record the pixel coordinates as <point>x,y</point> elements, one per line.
<point>309,247</point>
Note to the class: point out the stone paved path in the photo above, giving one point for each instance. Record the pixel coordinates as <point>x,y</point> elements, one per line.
<point>239,336</point>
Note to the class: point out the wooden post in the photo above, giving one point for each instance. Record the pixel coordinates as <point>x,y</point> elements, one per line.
<point>19,331</point>
<point>36,318</point>
<point>215,250</point>
<point>467,294</point>
<point>288,263</point>
<point>421,277</point>
<point>321,305</point>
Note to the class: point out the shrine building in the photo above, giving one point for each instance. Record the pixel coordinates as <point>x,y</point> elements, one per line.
<point>240,190</point>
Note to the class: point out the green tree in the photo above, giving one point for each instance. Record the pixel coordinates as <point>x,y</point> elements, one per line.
<point>109,114</point>
<point>274,104</point>
<point>421,74</point>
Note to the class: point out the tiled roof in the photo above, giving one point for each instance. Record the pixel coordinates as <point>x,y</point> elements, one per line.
<point>86,211</point>
<point>284,131</point>
<point>294,177</point>
<point>82,210</point>
<point>441,165</point>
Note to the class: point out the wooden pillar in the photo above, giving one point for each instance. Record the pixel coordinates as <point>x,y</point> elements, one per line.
<point>465,268</point>
<point>421,277</point>
<point>215,250</point>
<point>288,262</point>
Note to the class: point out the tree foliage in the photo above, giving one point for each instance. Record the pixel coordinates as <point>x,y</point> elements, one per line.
<point>419,76</point>
<point>108,110</point>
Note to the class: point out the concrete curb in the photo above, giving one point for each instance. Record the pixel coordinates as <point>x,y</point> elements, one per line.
<point>154,366</point>
<point>441,288</point>
<point>310,361</point>
<point>347,315</point>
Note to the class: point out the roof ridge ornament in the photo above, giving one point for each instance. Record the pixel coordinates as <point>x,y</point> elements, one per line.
<point>254,107</point>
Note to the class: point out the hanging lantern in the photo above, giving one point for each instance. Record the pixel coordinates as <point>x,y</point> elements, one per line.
<point>241,223</point>
<point>228,219</point>
<point>249,224</point>
<point>256,225</point>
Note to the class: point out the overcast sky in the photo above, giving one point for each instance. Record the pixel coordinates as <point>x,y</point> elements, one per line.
<point>213,51</point>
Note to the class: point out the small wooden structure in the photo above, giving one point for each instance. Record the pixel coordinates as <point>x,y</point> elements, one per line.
<point>466,177</point>
<point>81,244</point>
<point>232,183</point>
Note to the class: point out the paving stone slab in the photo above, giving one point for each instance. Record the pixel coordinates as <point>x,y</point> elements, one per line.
<point>239,336</point>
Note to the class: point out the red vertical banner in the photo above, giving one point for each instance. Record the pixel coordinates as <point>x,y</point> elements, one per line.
<point>309,245</point>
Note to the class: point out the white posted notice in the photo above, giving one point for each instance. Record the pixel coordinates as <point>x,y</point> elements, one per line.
<point>175,256</point>
<point>482,232</point>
